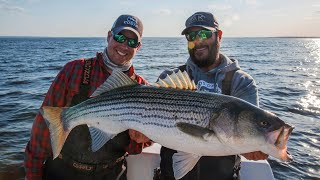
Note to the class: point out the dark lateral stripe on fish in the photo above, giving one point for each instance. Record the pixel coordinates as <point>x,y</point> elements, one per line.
<point>138,100</point>
<point>149,116</point>
<point>137,111</point>
<point>173,115</point>
<point>136,103</point>
<point>165,103</point>
<point>149,123</point>
<point>160,104</point>
<point>146,100</point>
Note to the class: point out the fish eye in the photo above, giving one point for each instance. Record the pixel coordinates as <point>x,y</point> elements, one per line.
<point>264,123</point>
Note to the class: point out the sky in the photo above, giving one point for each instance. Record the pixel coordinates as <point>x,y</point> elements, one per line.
<point>161,18</point>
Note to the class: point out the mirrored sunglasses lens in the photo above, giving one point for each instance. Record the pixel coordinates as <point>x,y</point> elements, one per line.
<point>119,38</point>
<point>204,34</point>
<point>191,36</point>
<point>208,34</point>
<point>132,43</point>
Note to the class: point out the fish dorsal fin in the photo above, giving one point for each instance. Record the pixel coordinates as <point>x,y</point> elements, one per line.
<point>115,80</point>
<point>177,80</point>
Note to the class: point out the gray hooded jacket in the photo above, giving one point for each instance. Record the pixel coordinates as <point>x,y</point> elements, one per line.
<point>243,85</point>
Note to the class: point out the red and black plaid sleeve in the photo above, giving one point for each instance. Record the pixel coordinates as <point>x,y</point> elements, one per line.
<point>38,148</point>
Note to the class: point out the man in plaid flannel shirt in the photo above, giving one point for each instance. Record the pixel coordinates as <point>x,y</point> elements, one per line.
<point>75,82</point>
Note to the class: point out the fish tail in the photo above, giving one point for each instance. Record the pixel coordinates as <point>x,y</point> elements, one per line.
<point>58,134</point>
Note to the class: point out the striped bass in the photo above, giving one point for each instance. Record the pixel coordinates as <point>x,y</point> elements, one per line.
<point>193,123</point>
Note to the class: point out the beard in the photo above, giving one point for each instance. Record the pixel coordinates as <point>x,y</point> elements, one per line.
<point>213,55</point>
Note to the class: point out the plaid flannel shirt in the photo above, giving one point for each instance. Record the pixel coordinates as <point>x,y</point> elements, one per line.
<point>60,94</point>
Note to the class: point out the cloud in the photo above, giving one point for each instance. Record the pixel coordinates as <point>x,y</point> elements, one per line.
<point>14,9</point>
<point>163,12</point>
<point>6,7</point>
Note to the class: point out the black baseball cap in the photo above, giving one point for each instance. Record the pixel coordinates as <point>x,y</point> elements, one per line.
<point>128,22</point>
<point>202,19</point>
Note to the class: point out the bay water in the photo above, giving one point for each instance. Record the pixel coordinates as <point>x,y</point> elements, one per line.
<point>287,72</point>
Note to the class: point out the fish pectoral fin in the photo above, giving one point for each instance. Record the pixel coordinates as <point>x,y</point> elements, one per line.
<point>183,163</point>
<point>196,131</point>
<point>116,80</point>
<point>99,138</point>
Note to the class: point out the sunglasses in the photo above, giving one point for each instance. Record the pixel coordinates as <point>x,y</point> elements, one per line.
<point>120,38</point>
<point>202,34</point>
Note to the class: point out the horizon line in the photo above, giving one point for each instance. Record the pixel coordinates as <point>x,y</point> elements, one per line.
<point>20,36</point>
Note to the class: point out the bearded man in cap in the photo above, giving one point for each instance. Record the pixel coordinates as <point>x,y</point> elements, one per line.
<point>75,83</point>
<point>214,72</point>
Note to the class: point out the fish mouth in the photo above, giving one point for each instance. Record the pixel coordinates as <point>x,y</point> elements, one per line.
<point>279,139</point>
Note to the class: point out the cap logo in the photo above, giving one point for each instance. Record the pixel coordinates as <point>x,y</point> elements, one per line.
<point>197,17</point>
<point>131,21</point>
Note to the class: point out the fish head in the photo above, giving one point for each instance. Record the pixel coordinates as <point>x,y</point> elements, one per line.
<point>277,143</point>
<point>248,128</point>
<point>272,133</point>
